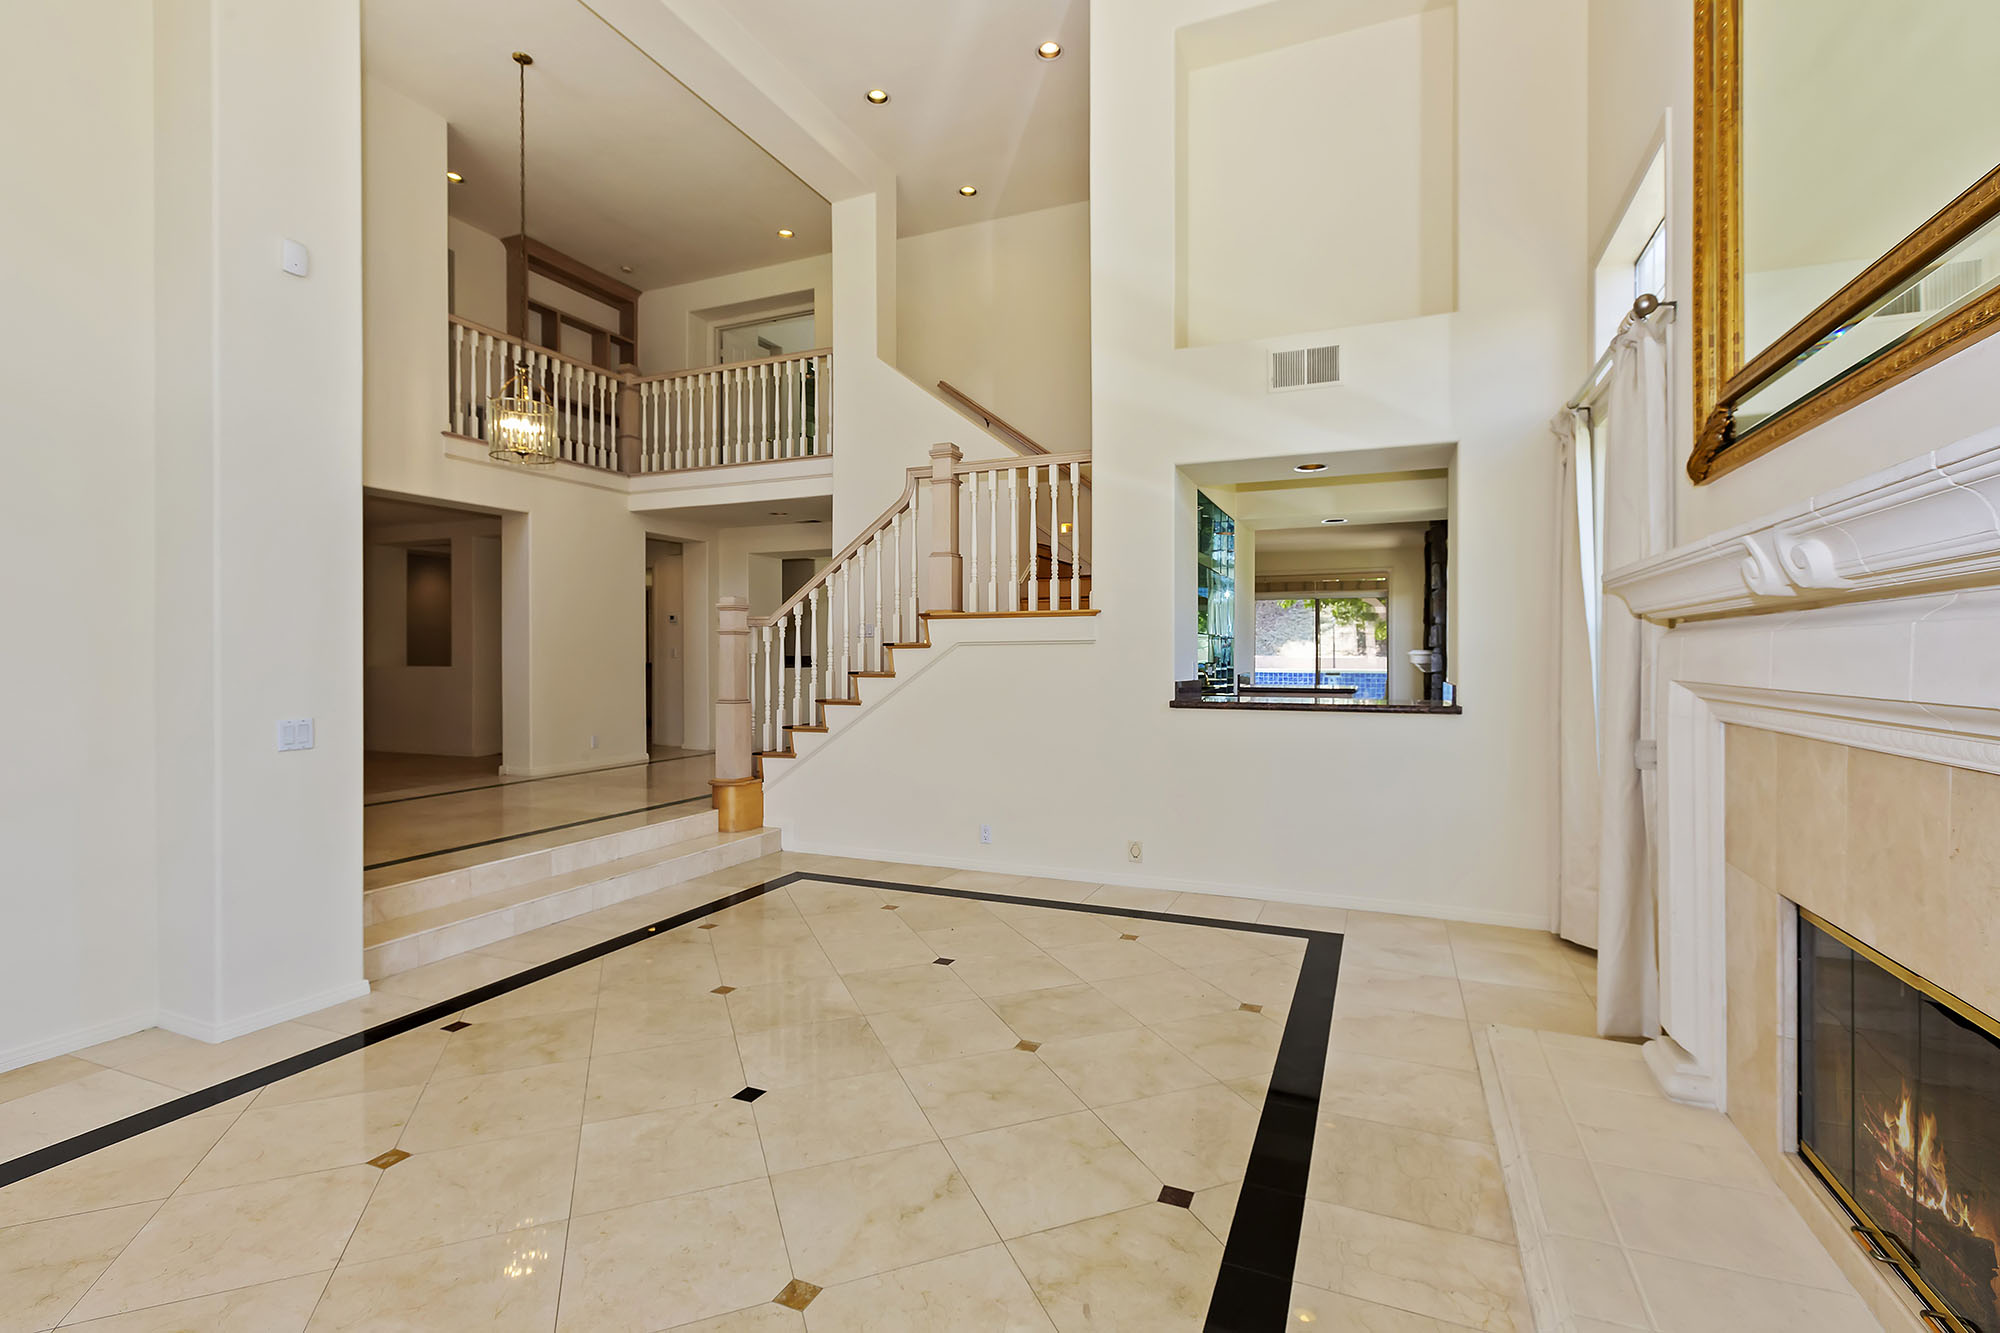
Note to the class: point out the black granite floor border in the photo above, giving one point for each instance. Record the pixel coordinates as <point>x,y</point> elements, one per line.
<point>1253,1290</point>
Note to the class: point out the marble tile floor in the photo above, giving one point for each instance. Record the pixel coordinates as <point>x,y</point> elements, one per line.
<point>413,834</point>
<point>388,775</point>
<point>1639,1213</point>
<point>828,1107</point>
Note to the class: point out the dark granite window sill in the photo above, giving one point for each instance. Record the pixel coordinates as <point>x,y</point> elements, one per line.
<point>1262,703</point>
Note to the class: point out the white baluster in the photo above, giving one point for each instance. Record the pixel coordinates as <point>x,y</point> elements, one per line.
<point>1034,546</point>
<point>1075,537</point>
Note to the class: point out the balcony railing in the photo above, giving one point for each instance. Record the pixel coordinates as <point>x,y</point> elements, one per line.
<point>746,412</point>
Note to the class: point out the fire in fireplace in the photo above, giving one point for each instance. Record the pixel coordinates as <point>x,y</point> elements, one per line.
<point>1899,1111</point>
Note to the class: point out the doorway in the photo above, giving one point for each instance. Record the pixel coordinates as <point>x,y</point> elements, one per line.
<point>666,662</point>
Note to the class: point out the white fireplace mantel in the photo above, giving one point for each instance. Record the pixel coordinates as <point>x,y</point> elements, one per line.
<point>1867,616</point>
<point>1929,523</point>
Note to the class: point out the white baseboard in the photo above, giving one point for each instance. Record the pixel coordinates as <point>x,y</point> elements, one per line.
<point>76,1039</point>
<point>202,1030</point>
<point>587,766</point>
<point>1532,920</point>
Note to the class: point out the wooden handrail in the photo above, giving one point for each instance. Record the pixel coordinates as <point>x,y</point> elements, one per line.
<point>732,365</point>
<point>1009,464</point>
<point>911,478</point>
<point>992,421</point>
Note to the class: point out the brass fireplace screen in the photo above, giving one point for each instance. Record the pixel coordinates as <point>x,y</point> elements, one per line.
<point>1899,1114</point>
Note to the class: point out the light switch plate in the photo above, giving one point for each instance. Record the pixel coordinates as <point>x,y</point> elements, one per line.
<point>295,733</point>
<point>295,259</point>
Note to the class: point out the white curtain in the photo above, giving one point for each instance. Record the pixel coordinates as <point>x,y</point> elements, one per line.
<point>1630,430</point>
<point>1576,682</point>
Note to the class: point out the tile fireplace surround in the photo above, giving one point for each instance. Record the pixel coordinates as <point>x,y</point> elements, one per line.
<point>1828,717</point>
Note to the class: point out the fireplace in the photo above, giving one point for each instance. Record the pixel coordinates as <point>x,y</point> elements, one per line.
<point>1899,1113</point>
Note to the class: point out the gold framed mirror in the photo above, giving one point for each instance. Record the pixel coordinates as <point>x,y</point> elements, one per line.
<point>1846,208</point>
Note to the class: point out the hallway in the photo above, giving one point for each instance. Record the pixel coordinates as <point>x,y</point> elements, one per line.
<point>425,814</point>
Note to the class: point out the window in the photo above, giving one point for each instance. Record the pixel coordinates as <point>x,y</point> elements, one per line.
<point>1649,270</point>
<point>1215,595</point>
<point>1325,642</point>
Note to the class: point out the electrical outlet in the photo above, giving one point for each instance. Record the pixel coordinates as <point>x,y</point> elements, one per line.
<point>593,742</point>
<point>986,833</point>
<point>1135,851</point>
<point>295,733</point>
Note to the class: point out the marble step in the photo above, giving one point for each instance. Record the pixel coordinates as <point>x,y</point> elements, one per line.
<point>400,943</point>
<point>434,891</point>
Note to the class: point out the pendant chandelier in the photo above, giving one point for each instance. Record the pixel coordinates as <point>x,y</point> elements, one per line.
<point>521,418</point>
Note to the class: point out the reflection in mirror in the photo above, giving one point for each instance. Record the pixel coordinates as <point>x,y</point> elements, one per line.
<point>1860,121</point>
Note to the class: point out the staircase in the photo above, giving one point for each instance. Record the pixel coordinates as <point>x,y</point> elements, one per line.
<point>423,920</point>
<point>1069,592</point>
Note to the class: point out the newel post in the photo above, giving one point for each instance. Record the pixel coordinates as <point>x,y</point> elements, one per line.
<point>628,420</point>
<point>944,584</point>
<point>739,793</point>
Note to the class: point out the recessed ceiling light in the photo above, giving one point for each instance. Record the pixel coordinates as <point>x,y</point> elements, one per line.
<point>624,268</point>
<point>877,95</point>
<point>1309,467</point>
<point>785,232</point>
<point>1049,50</point>
<point>1333,520</point>
<point>454,178</point>
<point>968,190</point>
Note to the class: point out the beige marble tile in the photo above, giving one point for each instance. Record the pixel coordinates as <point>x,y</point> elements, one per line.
<point>1365,991</point>
<point>1605,1064</point>
<point>676,962</point>
<point>1399,1092</point>
<point>47,1266</point>
<point>1810,824</point>
<point>1162,997</point>
<point>304,1137</point>
<point>1045,1173</point>
<point>270,1307</point>
<point>400,1062</point>
<point>762,965</point>
<point>1121,1066</point>
<point>912,987</point>
<point>816,897</point>
<point>1117,958</point>
<point>65,1109</point>
<point>921,911</point>
<point>941,1032</point>
<point>1968,938</point>
<point>644,1157</point>
<point>198,1064</point>
<point>496,1106</point>
<point>1689,1298</point>
<point>1060,1012</point>
<point>460,1194</point>
<point>1053,928</point>
<point>1151,1267</point>
<point>1750,813</point>
<point>874,952</point>
<point>452,976</point>
<point>812,1053</point>
<point>1543,1010</point>
<point>565,992</point>
<point>980,1092</point>
<point>1055,890</point>
<point>1567,1194</point>
<point>850,1219</point>
<point>1898,854</point>
<point>1749,1231</point>
<point>1233,1044</point>
<point>1010,974</point>
<point>1306,916</point>
<point>1419,1038</point>
<point>1652,1116</point>
<point>1267,981</point>
<point>765,1318</point>
<point>1217,907</point>
<point>1721,1162</point>
<point>659,1077</point>
<point>200,1244</point>
<point>1502,965</point>
<point>546,944</point>
<point>1189,946</point>
<point>43,1074</point>
<point>1450,1183</point>
<point>1310,1305</point>
<point>827,1122</point>
<point>1596,1281</point>
<point>637,1024</point>
<point>786,1003</point>
<point>1192,1139</point>
<point>1132,896</point>
<point>147,1167</point>
<point>672,1261</point>
<point>983,941</point>
<point>509,1283</point>
<point>981,1289</point>
<point>1455,1278</point>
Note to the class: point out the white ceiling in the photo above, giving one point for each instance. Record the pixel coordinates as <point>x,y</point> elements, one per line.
<point>969,100</point>
<point>625,165</point>
<point>1348,537</point>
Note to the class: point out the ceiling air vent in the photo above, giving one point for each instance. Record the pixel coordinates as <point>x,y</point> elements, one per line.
<point>1304,368</point>
<point>1940,290</point>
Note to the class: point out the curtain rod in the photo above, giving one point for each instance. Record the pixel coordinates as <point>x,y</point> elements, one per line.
<point>1645,307</point>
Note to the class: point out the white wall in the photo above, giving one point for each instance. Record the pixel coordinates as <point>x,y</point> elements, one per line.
<point>479,271</point>
<point>677,324</point>
<point>257,569</point>
<point>1200,788</point>
<point>1001,310</point>
<point>77,959</point>
<point>1318,186</point>
<point>451,709</point>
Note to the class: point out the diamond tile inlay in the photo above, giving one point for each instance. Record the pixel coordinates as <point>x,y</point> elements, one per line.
<point>389,1158</point>
<point>1178,1197</point>
<point>1128,937</point>
<point>722,990</point>
<point>749,1095</point>
<point>797,1295</point>
<point>943,962</point>
<point>457,1025</point>
<point>1027,1046</point>
<point>1251,1008</point>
